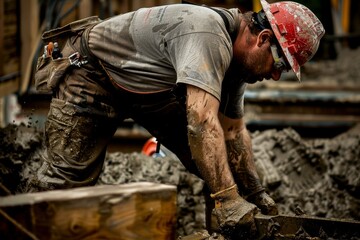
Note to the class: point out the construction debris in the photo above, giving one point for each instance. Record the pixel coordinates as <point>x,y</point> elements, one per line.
<point>317,177</point>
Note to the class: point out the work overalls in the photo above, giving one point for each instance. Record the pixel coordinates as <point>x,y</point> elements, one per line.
<point>85,111</point>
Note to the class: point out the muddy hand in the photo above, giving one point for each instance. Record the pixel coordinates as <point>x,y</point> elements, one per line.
<point>263,201</point>
<point>233,212</point>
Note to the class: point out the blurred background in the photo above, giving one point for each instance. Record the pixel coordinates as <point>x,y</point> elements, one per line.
<point>324,104</point>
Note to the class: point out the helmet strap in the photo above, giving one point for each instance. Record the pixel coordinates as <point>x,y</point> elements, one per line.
<point>260,20</point>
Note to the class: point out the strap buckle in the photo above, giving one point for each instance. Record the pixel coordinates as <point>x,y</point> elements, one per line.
<point>76,59</point>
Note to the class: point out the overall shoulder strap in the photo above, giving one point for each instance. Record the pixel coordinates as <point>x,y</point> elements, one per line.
<point>222,15</point>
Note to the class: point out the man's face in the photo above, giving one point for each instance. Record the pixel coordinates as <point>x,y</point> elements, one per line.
<point>256,63</point>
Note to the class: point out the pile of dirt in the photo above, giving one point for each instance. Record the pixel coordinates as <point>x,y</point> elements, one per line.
<point>317,176</point>
<point>18,157</point>
<point>342,71</point>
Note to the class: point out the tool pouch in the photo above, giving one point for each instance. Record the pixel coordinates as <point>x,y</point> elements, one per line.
<point>50,71</point>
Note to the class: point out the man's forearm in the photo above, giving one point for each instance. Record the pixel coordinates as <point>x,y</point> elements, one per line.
<point>241,160</point>
<point>207,140</point>
<point>209,152</point>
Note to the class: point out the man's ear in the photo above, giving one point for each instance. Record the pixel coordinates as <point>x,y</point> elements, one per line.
<point>264,37</point>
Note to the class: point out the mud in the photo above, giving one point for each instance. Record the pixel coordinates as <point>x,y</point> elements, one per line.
<point>19,158</point>
<point>318,177</point>
<point>340,72</point>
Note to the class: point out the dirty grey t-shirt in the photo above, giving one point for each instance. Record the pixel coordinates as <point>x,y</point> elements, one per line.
<point>152,49</point>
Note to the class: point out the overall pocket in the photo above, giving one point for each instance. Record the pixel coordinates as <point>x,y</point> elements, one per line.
<point>49,72</point>
<point>42,73</point>
<point>58,69</point>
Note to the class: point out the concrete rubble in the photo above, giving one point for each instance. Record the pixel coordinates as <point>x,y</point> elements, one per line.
<point>318,177</point>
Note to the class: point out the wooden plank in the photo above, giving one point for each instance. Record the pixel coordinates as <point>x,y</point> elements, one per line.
<point>1,37</point>
<point>30,37</point>
<point>129,211</point>
<point>85,9</point>
<point>313,85</point>
<point>9,87</point>
<point>72,16</point>
<point>10,50</point>
<point>136,4</point>
<point>305,118</point>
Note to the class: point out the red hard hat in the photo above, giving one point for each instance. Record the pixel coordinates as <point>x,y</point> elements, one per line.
<point>297,30</point>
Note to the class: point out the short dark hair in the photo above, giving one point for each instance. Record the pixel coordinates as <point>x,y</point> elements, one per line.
<point>248,18</point>
<point>256,21</point>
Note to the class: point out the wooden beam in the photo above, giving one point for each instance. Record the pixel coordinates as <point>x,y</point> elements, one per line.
<point>129,211</point>
<point>9,87</point>
<point>85,9</point>
<point>30,38</point>
<point>2,13</point>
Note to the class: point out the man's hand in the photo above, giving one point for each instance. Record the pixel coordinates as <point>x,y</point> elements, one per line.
<point>234,214</point>
<point>266,204</point>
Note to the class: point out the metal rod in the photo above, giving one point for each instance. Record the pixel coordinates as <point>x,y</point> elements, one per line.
<point>18,225</point>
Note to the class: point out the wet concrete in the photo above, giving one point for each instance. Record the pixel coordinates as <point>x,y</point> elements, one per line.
<point>318,177</point>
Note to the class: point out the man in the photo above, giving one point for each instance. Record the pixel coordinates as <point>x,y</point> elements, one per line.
<point>181,72</point>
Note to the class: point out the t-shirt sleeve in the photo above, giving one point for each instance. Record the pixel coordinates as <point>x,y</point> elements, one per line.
<point>232,99</point>
<point>201,59</point>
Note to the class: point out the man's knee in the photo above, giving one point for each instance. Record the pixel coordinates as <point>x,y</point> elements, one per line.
<point>76,146</point>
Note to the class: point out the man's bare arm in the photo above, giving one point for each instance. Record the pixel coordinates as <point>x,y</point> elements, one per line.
<point>240,155</point>
<point>206,139</point>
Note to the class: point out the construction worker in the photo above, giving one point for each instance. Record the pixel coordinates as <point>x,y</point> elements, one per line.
<point>180,71</point>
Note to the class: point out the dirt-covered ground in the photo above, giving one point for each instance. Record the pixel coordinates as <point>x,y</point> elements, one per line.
<point>318,176</point>
<point>342,72</point>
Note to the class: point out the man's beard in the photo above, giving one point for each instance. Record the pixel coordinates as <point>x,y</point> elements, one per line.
<point>247,75</point>
<point>252,80</point>
<point>249,69</point>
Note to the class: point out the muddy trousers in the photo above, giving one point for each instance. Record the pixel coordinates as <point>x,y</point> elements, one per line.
<point>76,142</point>
<point>76,147</point>
<point>81,121</point>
